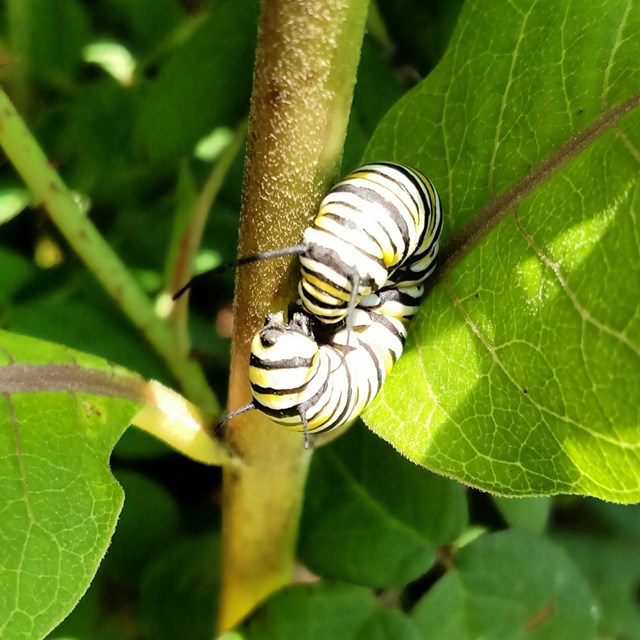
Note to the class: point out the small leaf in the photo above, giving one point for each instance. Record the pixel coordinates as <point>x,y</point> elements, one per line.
<point>12,202</point>
<point>15,272</point>
<point>530,514</point>
<point>372,528</point>
<point>508,585</point>
<point>521,372</point>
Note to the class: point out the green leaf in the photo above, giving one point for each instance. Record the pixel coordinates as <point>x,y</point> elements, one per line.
<point>613,571</point>
<point>372,528</point>
<point>508,585</point>
<point>521,372</point>
<point>530,514</point>
<point>15,272</point>
<point>388,624</point>
<point>37,26</point>
<point>13,200</point>
<point>620,523</point>
<point>423,38</point>
<point>101,124</point>
<point>376,90</point>
<point>60,502</point>
<point>147,20</point>
<point>312,612</point>
<point>206,83</point>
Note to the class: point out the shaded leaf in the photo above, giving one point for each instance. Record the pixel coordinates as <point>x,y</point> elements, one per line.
<point>388,624</point>
<point>312,612</point>
<point>619,523</point>
<point>206,83</point>
<point>147,20</point>
<point>101,128</point>
<point>613,571</point>
<point>15,272</point>
<point>423,38</point>
<point>521,369</point>
<point>373,518</point>
<point>37,27</point>
<point>83,324</point>
<point>148,521</point>
<point>530,514</point>
<point>508,585</point>
<point>377,89</point>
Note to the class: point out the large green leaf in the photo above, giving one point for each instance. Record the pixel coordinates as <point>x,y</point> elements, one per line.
<point>61,414</point>
<point>58,499</point>
<point>522,370</point>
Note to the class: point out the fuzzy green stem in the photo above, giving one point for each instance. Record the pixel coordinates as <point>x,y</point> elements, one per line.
<point>48,188</point>
<point>305,71</point>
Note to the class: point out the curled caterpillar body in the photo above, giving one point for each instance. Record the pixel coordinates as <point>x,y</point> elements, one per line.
<point>364,260</point>
<point>316,387</point>
<point>379,227</point>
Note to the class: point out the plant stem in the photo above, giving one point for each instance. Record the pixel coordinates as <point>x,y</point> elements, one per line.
<point>48,188</point>
<point>305,71</point>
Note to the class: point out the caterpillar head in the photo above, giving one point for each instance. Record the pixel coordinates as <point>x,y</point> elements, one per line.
<point>283,345</point>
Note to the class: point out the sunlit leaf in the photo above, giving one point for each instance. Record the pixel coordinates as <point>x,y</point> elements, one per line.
<point>522,369</point>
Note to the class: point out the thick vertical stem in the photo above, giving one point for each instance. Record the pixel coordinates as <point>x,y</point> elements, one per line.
<point>303,83</point>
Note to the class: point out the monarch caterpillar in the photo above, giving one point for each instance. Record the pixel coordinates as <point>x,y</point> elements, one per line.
<point>378,227</point>
<point>364,258</point>
<point>313,386</point>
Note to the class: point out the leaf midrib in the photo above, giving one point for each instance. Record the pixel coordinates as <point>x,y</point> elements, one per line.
<point>499,207</point>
